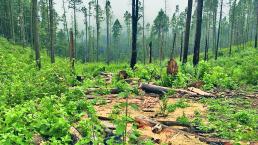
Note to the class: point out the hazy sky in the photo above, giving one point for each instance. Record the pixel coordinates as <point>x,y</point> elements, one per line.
<point>120,6</point>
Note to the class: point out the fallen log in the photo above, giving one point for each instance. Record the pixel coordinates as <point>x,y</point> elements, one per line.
<point>200,92</point>
<point>159,127</point>
<point>191,92</point>
<point>173,123</point>
<point>76,136</point>
<point>154,89</point>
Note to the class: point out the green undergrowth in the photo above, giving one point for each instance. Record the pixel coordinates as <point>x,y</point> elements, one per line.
<point>230,118</point>
<point>49,101</point>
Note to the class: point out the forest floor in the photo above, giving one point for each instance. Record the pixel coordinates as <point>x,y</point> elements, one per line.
<point>214,103</point>
<point>147,116</point>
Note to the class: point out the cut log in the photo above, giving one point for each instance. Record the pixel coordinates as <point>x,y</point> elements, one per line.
<point>123,74</point>
<point>144,121</point>
<point>154,89</point>
<point>191,92</point>
<point>200,92</point>
<point>215,141</point>
<point>173,123</point>
<point>95,90</point>
<point>76,136</point>
<point>185,92</point>
<point>157,128</point>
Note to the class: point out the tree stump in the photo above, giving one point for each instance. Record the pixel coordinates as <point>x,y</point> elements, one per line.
<point>172,68</point>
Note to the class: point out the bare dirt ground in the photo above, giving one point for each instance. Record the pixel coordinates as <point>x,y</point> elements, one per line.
<point>150,106</point>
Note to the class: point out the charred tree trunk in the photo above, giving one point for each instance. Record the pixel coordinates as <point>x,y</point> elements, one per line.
<point>206,49</point>
<point>198,33</point>
<point>232,28</point>
<point>107,22</point>
<point>181,47</point>
<point>52,53</point>
<point>135,9</point>
<point>65,28</point>
<point>72,51</point>
<point>218,37</point>
<point>98,29</point>
<point>150,46</point>
<point>36,32</point>
<point>187,30</point>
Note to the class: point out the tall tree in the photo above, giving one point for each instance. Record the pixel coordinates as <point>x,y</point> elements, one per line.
<point>160,27</point>
<point>117,27</point>
<point>143,33</point>
<point>135,17</point>
<point>108,11</point>
<point>128,20</point>
<point>198,33</point>
<point>85,12</point>
<point>21,22</point>
<point>175,29</point>
<point>99,18</point>
<point>73,4</point>
<point>36,32</point>
<point>218,37</point>
<point>64,19</point>
<point>187,30</point>
<point>51,13</point>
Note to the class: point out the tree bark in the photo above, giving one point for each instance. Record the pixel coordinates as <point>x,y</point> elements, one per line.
<point>72,51</point>
<point>218,37</point>
<point>36,32</point>
<point>232,28</point>
<point>135,9</point>
<point>198,33</point>
<point>173,47</point>
<point>181,47</point>
<point>98,27</point>
<point>187,30</point>
<point>150,46</point>
<point>143,34</point>
<point>107,22</point>
<point>52,52</point>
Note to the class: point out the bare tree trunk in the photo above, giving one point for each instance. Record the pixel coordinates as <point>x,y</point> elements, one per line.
<point>12,32</point>
<point>107,22</point>
<point>218,38</point>
<point>72,51</point>
<point>36,32</point>
<point>198,33</point>
<point>232,27</point>
<point>135,9</point>
<point>143,34</point>
<point>187,30</point>
<point>75,27</point>
<point>22,29</point>
<point>150,45</point>
<point>206,57</point>
<point>173,47</point>
<point>52,53</point>
<point>98,26</point>
<point>65,27</point>
<point>181,47</point>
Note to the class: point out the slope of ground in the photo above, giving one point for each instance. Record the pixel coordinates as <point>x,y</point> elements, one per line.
<point>51,106</point>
